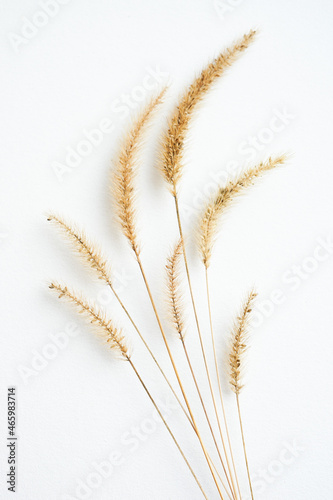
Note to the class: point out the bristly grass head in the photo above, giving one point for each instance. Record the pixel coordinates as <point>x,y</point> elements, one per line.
<point>89,251</point>
<point>111,335</point>
<point>122,186</point>
<point>239,344</point>
<point>173,141</point>
<point>175,299</point>
<point>222,200</point>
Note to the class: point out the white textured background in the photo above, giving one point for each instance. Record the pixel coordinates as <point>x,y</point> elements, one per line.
<point>60,81</point>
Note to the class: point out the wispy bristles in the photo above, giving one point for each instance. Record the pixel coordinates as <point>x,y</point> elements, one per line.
<point>125,169</point>
<point>222,200</point>
<point>238,344</point>
<point>108,332</point>
<point>89,251</point>
<point>173,141</point>
<point>175,301</point>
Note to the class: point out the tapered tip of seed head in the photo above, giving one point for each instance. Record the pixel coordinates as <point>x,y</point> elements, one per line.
<point>57,287</point>
<point>285,157</point>
<point>49,216</point>
<point>280,159</point>
<point>252,33</point>
<point>248,38</point>
<point>239,343</point>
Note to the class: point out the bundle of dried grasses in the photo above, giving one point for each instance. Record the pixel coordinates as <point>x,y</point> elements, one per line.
<point>225,473</point>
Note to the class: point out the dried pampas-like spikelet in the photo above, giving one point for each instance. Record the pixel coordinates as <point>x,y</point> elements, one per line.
<point>173,142</point>
<point>108,332</point>
<point>174,292</point>
<point>89,251</point>
<point>222,200</point>
<point>238,344</point>
<point>125,170</point>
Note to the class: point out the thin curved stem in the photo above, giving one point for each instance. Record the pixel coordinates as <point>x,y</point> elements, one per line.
<point>219,386</point>
<point>160,368</point>
<point>204,408</point>
<point>167,426</point>
<point>150,352</point>
<point>244,447</point>
<point>178,377</point>
<point>233,489</point>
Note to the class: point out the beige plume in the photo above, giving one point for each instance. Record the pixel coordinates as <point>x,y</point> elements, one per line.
<point>239,344</point>
<point>123,177</point>
<point>173,141</point>
<point>222,200</point>
<point>175,301</point>
<point>107,331</point>
<point>89,251</point>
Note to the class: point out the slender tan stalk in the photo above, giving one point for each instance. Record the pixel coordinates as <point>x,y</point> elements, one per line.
<point>177,318</point>
<point>124,193</point>
<point>94,258</point>
<point>222,200</point>
<point>244,447</point>
<point>238,348</point>
<point>167,426</point>
<point>203,351</point>
<point>115,339</point>
<point>178,377</point>
<point>169,384</point>
<point>220,388</point>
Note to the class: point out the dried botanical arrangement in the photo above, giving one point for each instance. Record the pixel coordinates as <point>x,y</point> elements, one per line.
<point>225,472</point>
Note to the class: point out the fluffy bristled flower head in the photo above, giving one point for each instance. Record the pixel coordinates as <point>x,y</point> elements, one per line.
<point>123,176</point>
<point>173,140</point>
<point>239,344</point>
<point>222,200</point>
<point>104,327</point>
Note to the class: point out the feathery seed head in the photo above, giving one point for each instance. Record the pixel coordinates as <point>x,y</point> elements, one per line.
<point>239,344</point>
<point>89,251</point>
<point>173,141</point>
<point>104,327</point>
<point>174,292</point>
<point>221,201</point>
<point>123,177</point>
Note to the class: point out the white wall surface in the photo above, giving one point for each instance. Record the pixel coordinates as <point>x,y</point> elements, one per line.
<point>85,65</point>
